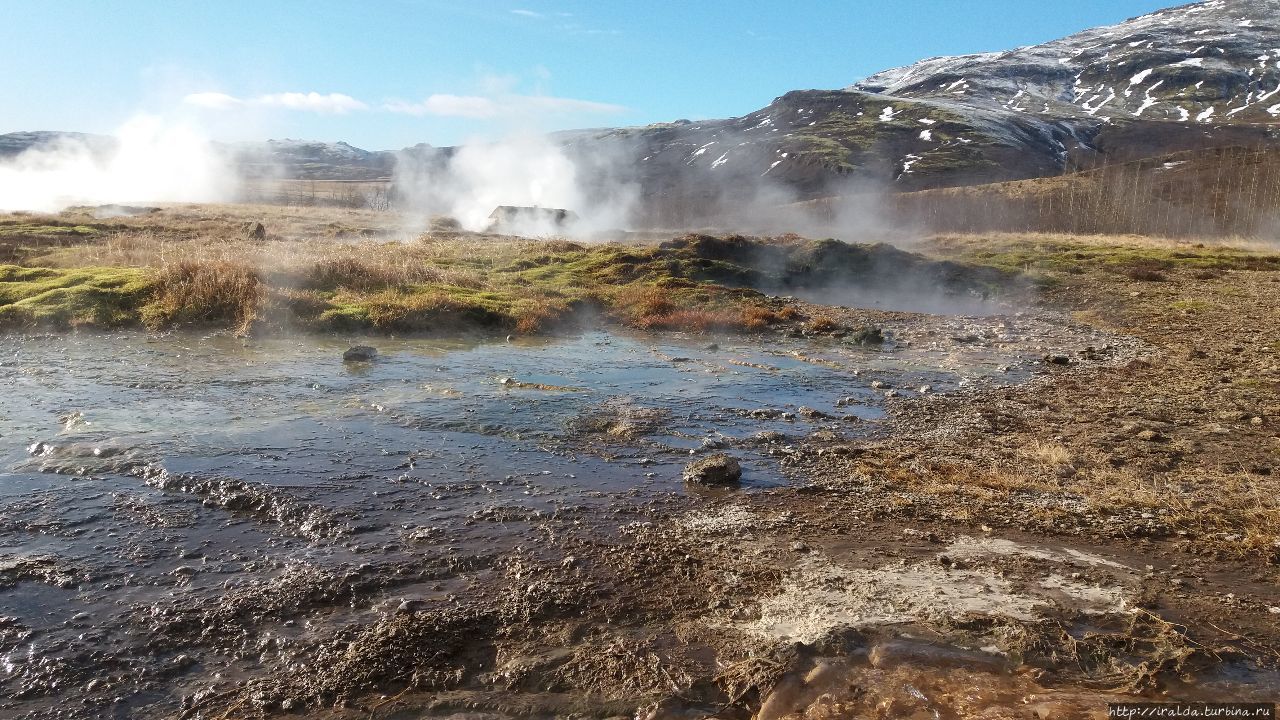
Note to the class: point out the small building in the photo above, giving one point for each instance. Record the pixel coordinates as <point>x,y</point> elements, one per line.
<point>519,220</point>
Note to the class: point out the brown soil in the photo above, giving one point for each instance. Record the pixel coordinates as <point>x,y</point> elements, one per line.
<point>1110,530</point>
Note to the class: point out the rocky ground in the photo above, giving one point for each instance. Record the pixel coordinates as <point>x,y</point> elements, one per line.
<point>1108,530</point>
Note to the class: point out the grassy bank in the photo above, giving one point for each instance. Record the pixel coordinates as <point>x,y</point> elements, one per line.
<point>325,271</point>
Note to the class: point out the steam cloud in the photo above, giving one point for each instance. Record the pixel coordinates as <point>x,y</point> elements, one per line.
<point>523,170</point>
<point>150,160</point>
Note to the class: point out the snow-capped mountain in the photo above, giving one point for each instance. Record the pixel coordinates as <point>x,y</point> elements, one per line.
<point>1189,77</point>
<point>1193,76</point>
<point>1203,63</point>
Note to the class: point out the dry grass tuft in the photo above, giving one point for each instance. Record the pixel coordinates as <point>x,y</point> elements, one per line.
<point>820,324</point>
<point>194,292</point>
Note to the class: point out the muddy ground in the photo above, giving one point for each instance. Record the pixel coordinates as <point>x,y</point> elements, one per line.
<point>1106,529</point>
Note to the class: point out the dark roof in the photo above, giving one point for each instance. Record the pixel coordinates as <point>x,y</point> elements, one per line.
<point>510,211</point>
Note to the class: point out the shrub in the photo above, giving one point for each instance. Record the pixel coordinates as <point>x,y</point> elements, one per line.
<point>210,292</point>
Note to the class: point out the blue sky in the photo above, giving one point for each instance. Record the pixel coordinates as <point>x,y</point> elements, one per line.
<point>387,74</point>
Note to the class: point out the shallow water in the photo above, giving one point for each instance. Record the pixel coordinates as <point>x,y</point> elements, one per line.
<point>143,476</point>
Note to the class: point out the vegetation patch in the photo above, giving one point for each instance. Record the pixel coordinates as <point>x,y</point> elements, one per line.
<point>172,268</point>
<point>102,297</point>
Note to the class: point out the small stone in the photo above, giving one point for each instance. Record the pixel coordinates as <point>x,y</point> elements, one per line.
<point>716,469</point>
<point>799,546</point>
<point>360,353</point>
<point>410,606</point>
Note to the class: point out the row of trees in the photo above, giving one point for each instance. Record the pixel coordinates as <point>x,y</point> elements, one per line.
<point>1219,192</point>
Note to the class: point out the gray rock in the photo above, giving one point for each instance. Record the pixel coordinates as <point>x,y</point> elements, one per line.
<point>716,469</point>
<point>360,353</point>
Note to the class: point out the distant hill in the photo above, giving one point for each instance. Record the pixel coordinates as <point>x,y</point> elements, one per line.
<point>1195,76</point>
<point>1186,78</point>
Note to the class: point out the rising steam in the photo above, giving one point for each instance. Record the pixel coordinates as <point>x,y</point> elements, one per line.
<point>523,170</point>
<point>147,160</point>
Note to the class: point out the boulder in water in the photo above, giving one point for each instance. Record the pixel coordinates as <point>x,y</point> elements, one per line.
<point>719,469</point>
<point>360,353</point>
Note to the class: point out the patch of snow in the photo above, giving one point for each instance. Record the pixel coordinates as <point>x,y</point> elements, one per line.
<point>1147,100</point>
<point>1094,110</point>
<point>926,134</point>
<point>720,160</point>
<point>1205,115</point>
<point>887,114</point>
<point>775,164</point>
<point>1274,109</point>
<point>927,121</point>
<point>1139,77</point>
<point>1189,62</point>
<point>1185,115</point>
<point>908,161</point>
<point>1173,164</point>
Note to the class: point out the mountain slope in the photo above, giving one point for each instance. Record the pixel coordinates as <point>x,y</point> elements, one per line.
<point>1205,62</point>
<point>1186,78</point>
<point>1194,76</point>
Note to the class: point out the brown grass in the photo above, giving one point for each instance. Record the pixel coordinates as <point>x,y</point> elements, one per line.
<point>193,292</point>
<point>699,320</point>
<point>821,324</point>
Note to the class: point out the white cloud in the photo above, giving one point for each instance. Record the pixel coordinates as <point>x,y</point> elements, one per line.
<point>444,105</point>
<point>213,100</point>
<point>480,107</point>
<point>333,103</point>
<point>550,104</point>
<point>497,101</point>
<point>527,13</point>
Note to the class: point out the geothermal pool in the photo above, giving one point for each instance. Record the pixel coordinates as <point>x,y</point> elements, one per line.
<point>144,478</point>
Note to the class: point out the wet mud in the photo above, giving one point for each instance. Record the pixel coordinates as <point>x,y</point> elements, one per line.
<point>205,526</point>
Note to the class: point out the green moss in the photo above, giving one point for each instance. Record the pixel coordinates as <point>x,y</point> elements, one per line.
<point>103,297</point>
<point>952,158</point>
<point>1190,306</point>
<point>1078,257</point>
<point>693,277</point>
<point>37,230</point>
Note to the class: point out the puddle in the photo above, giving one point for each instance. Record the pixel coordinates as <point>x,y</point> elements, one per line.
<point>145,483</point>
